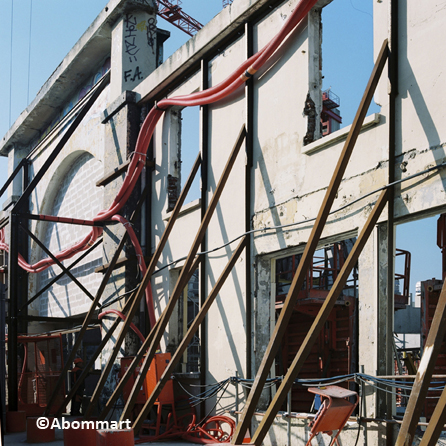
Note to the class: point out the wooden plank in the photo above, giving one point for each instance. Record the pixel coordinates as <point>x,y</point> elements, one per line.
<point>141,289</point>
<point>181,282</point>
<point>189,335</point>
<point>298,280</point>
<point>319,321</point>
<point>424,374</point>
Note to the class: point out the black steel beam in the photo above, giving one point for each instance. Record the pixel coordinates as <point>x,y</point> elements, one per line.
<point>57,262</point>
<point>204,205</point>
<point>65,138</point>
<point>10,179</point>
<point>56,278</point>
<point>249,101</point>
<point>13,400</point>
<point>108,178</point>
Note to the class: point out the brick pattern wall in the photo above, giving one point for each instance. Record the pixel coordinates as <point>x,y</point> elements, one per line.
<point>78,197</point>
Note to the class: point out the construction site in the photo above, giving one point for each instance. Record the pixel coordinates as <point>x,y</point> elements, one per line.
<point>247,288</point>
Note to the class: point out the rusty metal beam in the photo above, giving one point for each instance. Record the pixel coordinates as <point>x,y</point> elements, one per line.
<point>91,311</point>
<point>90,363</point>
<point>189,335</point>
<point>139,356</point>
<point>181,283</point>
<point>424,373</point>
<point>436,424</point>
<point>319,321</point>
<point>141,289</point>
<point>298,280</point>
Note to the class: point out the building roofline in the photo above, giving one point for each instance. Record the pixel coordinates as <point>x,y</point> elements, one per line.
<point>75,69</point>
<point>201,45</point>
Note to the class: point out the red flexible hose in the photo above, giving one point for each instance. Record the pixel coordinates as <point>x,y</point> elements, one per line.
<point>142,265</point>
<point>123,317</point>
<point>213,94</point>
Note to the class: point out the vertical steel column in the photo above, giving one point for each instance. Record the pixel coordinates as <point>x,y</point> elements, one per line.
<point>249,101</point>
<point>13,273</point>
<point>204,204</point>
<point>24,250</point>
<point>393,81</point>
<point>298,280</point>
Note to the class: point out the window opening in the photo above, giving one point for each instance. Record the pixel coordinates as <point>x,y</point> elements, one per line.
<point>347,60</point>
<point>335,351</point>
<point>189,148</point>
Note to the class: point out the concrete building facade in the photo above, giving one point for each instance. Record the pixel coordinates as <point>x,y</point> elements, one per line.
<point>273,194</point>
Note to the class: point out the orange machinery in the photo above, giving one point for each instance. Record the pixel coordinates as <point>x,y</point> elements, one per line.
<point>166,397</point>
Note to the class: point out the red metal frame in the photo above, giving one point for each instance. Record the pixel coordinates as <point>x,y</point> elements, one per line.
<point>430,294</point>
<point>174,14</point>
<point>46,364</point>
<point>401,300</point>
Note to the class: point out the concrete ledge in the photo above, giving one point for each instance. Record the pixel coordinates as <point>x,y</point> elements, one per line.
<point>127,97</point>
<point>339,135</point>
<point>11,201</point>
<point>206,40</point>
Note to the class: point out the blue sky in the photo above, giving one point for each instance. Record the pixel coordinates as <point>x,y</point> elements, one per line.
<point>40,44</point>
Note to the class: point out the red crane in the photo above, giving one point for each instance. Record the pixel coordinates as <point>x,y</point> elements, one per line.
<point>173,13</point>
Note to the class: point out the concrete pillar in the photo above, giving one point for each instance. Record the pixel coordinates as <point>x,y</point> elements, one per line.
<point>134,48</point>
<point>372,266</point>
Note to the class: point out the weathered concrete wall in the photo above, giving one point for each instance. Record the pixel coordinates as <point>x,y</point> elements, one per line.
<point>68,189</point>
<point>290,179</point>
